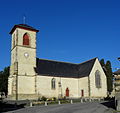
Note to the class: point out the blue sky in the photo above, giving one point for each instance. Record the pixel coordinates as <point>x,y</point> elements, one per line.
<point>70,30</point>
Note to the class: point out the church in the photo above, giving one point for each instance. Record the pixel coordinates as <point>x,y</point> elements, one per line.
<point>32,78</point>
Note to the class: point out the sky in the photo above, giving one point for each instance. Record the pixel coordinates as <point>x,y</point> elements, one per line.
<point>70,30</point>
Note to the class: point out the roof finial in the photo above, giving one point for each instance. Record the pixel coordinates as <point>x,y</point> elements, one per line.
<point>24,19</point>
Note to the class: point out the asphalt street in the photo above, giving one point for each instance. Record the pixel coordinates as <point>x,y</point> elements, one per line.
<point>93,107</point>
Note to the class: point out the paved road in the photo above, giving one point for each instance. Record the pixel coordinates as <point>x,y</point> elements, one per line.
<point>93,107</point>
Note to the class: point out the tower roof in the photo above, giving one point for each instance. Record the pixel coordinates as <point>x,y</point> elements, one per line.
<point>23,26</point>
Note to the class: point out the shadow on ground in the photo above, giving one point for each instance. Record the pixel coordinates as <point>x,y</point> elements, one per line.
<point>14,105</point>
<point>109,104</point>
<point>7,106</point>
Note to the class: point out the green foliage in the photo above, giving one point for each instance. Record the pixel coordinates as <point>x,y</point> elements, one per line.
<point>102,62</point>
<point>54,98</point>
<point>108,71</point>
<point>4,80</point>
<point>109,76</point>
<point>43,98</point>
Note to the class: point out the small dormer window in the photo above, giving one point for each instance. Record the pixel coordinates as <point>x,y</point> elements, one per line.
<point>26,40</point>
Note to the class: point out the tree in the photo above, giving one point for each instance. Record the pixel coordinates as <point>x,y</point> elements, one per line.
<point>109,76</point>
<point>108,72</point>
<point>102,62</point>
<point>1,75</point>
<point>4,80</point>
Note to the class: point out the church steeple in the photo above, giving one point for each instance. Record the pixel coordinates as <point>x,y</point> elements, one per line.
<point>23,53</point>
<point>23,42</point>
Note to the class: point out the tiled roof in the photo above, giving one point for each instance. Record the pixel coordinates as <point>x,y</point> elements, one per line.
<point>23,26</point>
<point>26,26</point>
<point>63,69</point>
<point>117,72</point>
<point>85,68</point>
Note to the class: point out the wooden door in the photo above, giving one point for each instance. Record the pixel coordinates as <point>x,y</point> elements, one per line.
<point>82,93</point>
<point>67,92</point>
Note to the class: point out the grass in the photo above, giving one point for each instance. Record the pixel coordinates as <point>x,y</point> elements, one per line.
<point>50,102</point>
<point>115,111</point>
<point>62,101</point>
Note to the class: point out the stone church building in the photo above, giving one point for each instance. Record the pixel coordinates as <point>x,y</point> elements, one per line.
<point>32,78</point>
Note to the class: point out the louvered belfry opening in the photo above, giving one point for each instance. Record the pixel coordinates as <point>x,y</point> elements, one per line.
<point>26,40</point>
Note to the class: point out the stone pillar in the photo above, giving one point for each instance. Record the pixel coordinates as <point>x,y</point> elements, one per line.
<point>59,102</point>
<point>46,103</point>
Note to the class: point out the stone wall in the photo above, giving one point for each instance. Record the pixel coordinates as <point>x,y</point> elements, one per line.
<point>98,92</point>
<point>44,86</point>
<point>83,85</point>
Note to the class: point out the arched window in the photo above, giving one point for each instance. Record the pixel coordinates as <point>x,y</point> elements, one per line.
<point>98,79</point>
<point>26,40</point>
<point>53,83</point>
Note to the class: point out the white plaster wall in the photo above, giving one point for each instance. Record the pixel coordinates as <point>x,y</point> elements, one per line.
<point>21,32</point>
<point>26,79</point>
<point>72,84</point>
<point>13,56</point>
<point>10,79</point>
<point>98,92</point>
<point>26,85</point>
<point>44,86</point>
<point>26,65</point>
<point>83,85</point>
<point>117,81</point>
<point>11,69</point>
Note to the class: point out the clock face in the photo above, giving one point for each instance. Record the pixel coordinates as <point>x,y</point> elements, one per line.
<point>26,55</point>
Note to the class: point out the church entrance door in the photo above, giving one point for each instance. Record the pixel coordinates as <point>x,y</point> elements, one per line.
<point>82,93</point>
<point>67,92</point>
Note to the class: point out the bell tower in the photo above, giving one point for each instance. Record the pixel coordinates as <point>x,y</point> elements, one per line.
<point>23,61</point>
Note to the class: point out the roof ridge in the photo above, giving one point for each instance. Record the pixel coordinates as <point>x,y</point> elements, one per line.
<point>68,62</point>
<point>23,26</point>
<point>64,69</point>
<point>58,61</point>
<point>88,60</point>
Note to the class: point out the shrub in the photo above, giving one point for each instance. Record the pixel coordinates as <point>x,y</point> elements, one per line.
<point>39,99</point>
<point>43,98</point>
<point>54,99</point>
